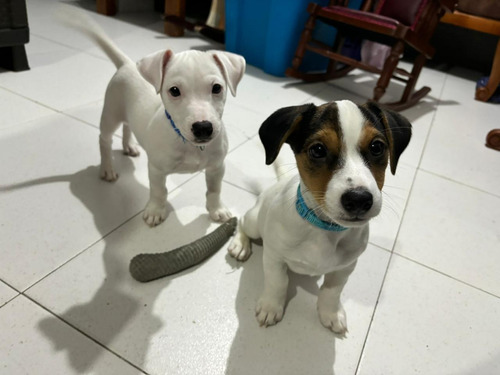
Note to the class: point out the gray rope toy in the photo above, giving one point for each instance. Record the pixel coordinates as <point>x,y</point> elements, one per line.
<point>148,267</point>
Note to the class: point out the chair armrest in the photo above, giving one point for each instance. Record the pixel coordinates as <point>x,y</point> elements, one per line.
<point>449,5</point>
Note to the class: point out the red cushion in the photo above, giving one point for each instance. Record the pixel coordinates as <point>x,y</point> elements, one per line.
<point>372,18</point>
<point>405,11</point>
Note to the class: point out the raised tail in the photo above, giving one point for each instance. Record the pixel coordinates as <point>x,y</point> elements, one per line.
<point>77,19</point>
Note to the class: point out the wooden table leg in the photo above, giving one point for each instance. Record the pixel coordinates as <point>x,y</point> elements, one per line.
<point>175,8</point>
<point>484,93</point>
<point>107,7</point>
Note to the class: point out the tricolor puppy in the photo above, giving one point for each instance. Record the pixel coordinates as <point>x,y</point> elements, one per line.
<point>180,129</point>
<point>316,223</point>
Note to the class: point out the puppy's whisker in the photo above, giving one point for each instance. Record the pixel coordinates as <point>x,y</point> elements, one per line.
<point>389,206</point>
<point>286,172</point>
<point>394,187</point>
<point>392,198</point>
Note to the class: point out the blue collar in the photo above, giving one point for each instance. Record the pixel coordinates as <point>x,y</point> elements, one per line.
<point>176,129</point>
<point>309,215</point>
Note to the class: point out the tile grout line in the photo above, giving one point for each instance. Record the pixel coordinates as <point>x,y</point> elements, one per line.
<point>72,48</point>
<point>459,182</point>
<point>419,168</point>
<point>432,123</point>
<point>78,254</point>
<point>383,281</point>
<point>391,253</point>
<point>240,188</point>
<point>29,99</point>
<point>434,269</point>
<point>11,299</point>
<point>55,111</point>
<point>446,275</point>
<point>356,372</point>
<point>84,334</point>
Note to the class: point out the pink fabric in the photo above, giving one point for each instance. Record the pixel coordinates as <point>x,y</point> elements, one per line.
<point>374,54</point>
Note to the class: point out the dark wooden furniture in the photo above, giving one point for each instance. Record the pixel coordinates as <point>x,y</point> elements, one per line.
<point>396,23</point>
<point>484,25</point>
<point>485,20</point>
<point>175,8</point>
<point>14,34</point>
<point>107,7</point>
<point>175,17</point>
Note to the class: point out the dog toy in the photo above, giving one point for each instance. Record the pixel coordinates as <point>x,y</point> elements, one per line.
<point>148,267</point>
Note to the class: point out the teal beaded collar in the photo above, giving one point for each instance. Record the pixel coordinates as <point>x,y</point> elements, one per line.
<point>309,215</point>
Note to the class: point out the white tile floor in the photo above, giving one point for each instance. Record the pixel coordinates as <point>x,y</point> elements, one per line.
<point>425,297</point>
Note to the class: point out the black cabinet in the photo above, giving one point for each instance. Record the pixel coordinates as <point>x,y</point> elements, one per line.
<point>14,34</point>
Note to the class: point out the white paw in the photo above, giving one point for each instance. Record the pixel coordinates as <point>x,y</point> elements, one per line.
<point>269,312</point>
<point>107,174</point>
<point>334,320</point>
<point>220,214</point>
<point>154,214</point>
<point>240,247</point>
<point>131,150</point>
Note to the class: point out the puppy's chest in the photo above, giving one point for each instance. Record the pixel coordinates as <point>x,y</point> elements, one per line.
<point>322,253</point>
<point>189,160</point>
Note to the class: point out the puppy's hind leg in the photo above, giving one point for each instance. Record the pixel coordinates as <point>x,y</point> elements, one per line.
<point>109,124</point>
<point>240,247</point>
<point>129,146</point>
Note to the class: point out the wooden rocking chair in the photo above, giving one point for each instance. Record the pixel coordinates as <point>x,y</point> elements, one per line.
<point>396,23</point>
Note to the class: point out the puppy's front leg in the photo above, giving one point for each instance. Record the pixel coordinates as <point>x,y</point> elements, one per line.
<point>217,210</point>
<point>330,309</point>
<point>156,209</point>
<point>271,303</point>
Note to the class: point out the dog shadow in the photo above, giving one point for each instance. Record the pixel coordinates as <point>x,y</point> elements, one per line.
<point>286,347</point>
<point>108,316</point>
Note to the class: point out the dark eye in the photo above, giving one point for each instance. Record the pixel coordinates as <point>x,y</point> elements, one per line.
<point>317,151</point>
<point>216,89</point>
<point>377,148</point>
<point>174,91</point>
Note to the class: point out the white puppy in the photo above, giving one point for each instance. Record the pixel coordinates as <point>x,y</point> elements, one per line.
<point>180,129</point>
<point>316,223</point>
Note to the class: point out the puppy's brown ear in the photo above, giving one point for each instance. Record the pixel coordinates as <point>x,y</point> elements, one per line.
<point>280,127</point>
<point>397,129</point>
<point>152,67</point>
<point>232,67</point>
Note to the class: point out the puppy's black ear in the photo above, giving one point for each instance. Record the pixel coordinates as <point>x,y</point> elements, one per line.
<point>281,125</point>
<point>397,129</point>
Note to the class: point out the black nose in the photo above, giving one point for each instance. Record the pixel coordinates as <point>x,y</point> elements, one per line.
<point>357,201</point>
<point>202,129</point>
